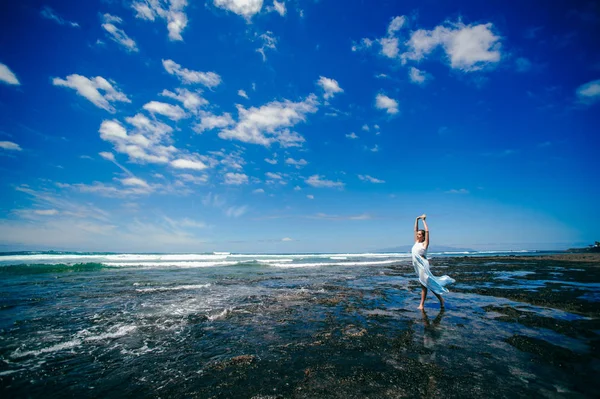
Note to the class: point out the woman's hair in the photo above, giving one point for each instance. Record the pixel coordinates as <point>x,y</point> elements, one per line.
<point>423,232</point>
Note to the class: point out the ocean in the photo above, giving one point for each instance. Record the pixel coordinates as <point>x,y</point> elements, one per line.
<point>228,325</point>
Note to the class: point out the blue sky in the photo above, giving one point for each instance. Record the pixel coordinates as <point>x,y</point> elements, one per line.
<point>298,125</point>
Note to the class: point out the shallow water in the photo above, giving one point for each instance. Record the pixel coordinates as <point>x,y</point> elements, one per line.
<point>511,328</point>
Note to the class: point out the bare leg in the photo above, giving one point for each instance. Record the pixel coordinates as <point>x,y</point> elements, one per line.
<point>439,297</point>
<point>423,296</point>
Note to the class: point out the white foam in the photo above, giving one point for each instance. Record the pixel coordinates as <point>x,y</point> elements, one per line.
<point>220,315</point>
<point>9,372</point>
<point>165,257</point>
<point>185,260</point>
<point>176,264</point>
<point>259,257</point>
<point>287,265</point>
<point>121,331</point>
<point>176,288</point>
<point>54,348</point>
<point>53,257</point>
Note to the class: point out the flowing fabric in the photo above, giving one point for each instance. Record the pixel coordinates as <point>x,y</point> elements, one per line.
<point>421,265</point>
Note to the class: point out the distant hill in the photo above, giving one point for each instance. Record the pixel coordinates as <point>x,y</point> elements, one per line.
<point>590,248</point>
<point>432,248</point>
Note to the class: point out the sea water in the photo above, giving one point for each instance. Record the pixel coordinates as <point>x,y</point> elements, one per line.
<point>258,325</point>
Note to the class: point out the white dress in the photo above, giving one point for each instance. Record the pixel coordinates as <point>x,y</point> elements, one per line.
<point>421,265</point>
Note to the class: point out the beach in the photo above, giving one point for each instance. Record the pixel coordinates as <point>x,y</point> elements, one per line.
<point>301,327</point>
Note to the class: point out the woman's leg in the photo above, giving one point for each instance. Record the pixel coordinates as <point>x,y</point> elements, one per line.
<point>423,296</point>
<point>439,297</point>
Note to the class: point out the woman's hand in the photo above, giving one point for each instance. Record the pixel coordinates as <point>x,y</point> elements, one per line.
<point>423,216</point>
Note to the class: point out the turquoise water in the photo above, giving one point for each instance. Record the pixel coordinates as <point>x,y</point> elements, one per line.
<point>294,325</point>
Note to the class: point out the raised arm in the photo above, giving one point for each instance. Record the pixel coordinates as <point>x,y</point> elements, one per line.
<point>417,226</point>
<point>426,243</point>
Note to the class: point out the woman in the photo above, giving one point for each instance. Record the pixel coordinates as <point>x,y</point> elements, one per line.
<point>421,265</point>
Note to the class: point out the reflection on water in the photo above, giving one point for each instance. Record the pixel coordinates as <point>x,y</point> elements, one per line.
<point>432,332</point>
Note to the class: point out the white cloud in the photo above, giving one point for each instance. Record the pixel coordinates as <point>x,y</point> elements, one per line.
<point>174,15</point>
<point>231,159</point>
<point>297,163</point>
<point>116,34</point>
<point>271,161</point>
<point>89,88</point>
<point>46,212</point>
<point>389,46</point>
<point>148,143</point>
<point>193,178</point>
<point>236,211</point>
<point>210,121</point>
<point>370,179</point>
<point>330,86</point>
<point>7,76</point>
<point>245,8</point>
<point>374,149</point>
<point>184,163</point>
<point>50,14</point>
<point>469,47</point>
<point>235,179</point>
<point>352,136</point>
<point>190,100</point>
<point>274,176</point>
<point>365,127</point>
<point>9,145</point>
<point>286,239</point>
<point>364,44</point>
<point>47,200</point>
<point>589,92</point>
<point>213,200</point>
<point>144,10</point>
<point>174,112</point>
<point>152,129</point>
<point>416,76</point>
<point>278,7</point>
<point>134,181</point>
<point>242,93</point>
<point>384,102</point>
<point>310,196</point>
<point>269,42</point>
<point>270,123</point>
<point>396,24</point>
<point>258,191</point>
<point>187,76</point>
<point>131,188</point>
<point>315,181</point>
<point>109,156</point>
<point>459,191</point>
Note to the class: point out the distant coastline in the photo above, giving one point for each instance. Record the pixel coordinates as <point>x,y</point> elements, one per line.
<point>589,249</point>
<point>588,256</point>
